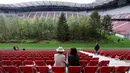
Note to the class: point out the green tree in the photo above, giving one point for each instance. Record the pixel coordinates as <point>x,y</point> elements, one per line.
<point>106,25</point>
<point>94,25</point>
<point>74,28</point>
<point>3,30</point>
<point>62,29</point>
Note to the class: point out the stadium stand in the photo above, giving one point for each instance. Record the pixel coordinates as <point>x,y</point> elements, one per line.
<point>87,66</point>
<point>120,54</point>
<point>35,61</point>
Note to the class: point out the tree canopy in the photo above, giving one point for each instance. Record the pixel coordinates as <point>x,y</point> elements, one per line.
<point>87,28</point>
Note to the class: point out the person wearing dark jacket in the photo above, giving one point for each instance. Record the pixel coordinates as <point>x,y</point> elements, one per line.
<point>73,58</point>
<point>14,47</point>
<point>97,47</point>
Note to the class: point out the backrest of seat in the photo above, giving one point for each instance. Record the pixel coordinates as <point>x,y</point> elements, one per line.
<point>93,63</point>
<point>95,58</point>
<point>10,69</point>
<point>105,69</point>
<point>17,62</point>
<point>121,69</point>
<point>1,70</point>
<point>28,62</point>
<point>7,62</point>
<point>0,63</point>
<point>83,62</point>
<point>90,69</point>
<point>21,58</point>
<point>74,69</point>
<point>47,58</point>
<point>42,69</point>
<point>5,58</point>
<point>29,58</point>
<point>40,63</point>
<point>103,63</point>
<point>88,58</point>
<point>58,69</point>
<point>38,58</point>
<point>13,58</point>
<point>50,62</point>
<point>27,69</point>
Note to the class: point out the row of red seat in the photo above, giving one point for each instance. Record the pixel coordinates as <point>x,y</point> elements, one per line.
<point>28,58</point>
<point>43,58</point>
<point>59,69</point>
<point>50,62</point>
<point>34,55</point>
<point>28,53</point>
<point>31,53</point>
<point>120,54</point>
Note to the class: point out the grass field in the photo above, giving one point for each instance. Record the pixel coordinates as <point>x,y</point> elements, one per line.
<point>52,44</point>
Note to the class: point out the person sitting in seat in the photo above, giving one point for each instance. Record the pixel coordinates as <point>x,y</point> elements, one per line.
<point>17,48</point>
<point>59,58</point>
<point>14,47</point>
<point>73,58</point>
<point>24,49</point>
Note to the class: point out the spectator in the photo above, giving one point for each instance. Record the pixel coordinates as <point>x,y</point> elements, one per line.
<point>24,49</point>
<point>59,58</point>
<point>73,58</point>
<point>17,48</point>
<point>14,47</point>
<point>97,47</point>
<point>118,40</point>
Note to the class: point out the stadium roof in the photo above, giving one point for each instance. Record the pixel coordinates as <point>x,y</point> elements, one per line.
<point>53,3</point>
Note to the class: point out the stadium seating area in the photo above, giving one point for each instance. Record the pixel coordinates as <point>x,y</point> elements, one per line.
<point>120,54</point>
<point>116,12</point>
<point>48,14</point>
<point>121,16</point>
<point>121,27</point>
<point>37,61</point>
<point>55,14</point>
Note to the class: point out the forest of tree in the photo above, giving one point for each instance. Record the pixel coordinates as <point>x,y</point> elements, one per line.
<point>87,28</point>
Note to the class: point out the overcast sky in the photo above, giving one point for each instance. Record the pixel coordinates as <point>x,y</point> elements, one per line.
<point>19,1</point>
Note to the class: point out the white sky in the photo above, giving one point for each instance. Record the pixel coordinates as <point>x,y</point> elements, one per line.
<point>19,1</point>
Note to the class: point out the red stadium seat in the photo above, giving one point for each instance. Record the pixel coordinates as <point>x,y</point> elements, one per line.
<point>38,58</point>
<point>121,69</point>
<point>29,58</point>
<point>5,58</point>
<point>47,58</point>
<point>95,58</point>
<point>93,63</point>
<point>7,62</point>
<point>21,58</point>
<point>42,69</point>
<point>90,69</point>
<point>74,69</point>
<point>83,62</point>
<point>27,69</point>
<point>17,62</point>
<point>58,69</point>
<point>88,58</point>
<point>40,63</point>
<point>105,69</point>
<point>11,69</point>
<point>28,62</point>
<point>50,62</point>
<point>13,58</point>
<point>1,63</point>
<point>103,63</point>
<point>1,70</point>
